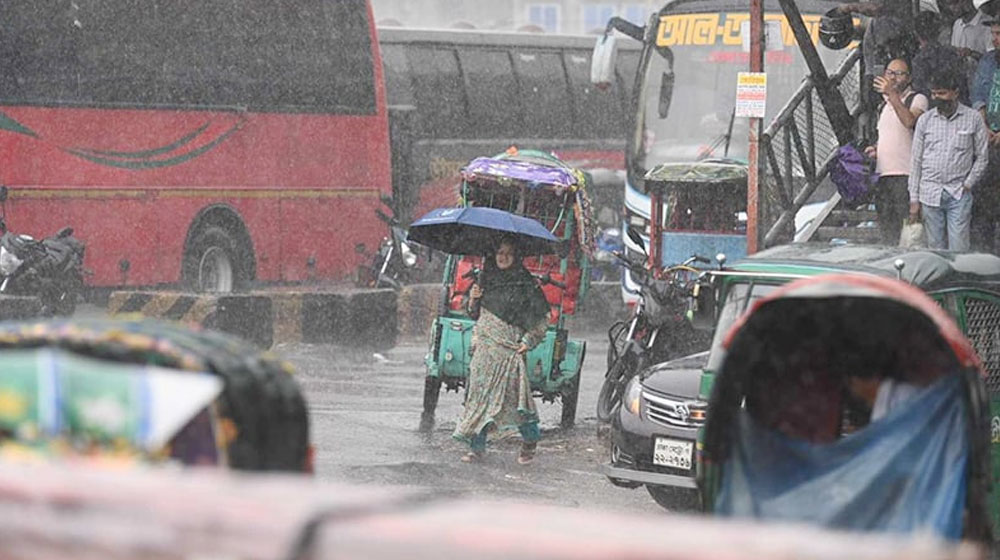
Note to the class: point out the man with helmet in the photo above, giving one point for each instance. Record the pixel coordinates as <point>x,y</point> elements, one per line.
<point>889,34</point>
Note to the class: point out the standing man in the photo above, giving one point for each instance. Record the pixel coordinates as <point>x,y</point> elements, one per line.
<point>970,34</point>
<point>932,54</point>
<point>949,158</point>
<point>895,139</point>
<point>986,100</point>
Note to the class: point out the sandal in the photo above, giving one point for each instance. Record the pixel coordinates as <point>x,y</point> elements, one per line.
<point>473,457</point>
<point>527,454</point>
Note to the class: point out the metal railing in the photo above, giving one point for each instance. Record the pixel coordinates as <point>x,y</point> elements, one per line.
<point>796,150</point>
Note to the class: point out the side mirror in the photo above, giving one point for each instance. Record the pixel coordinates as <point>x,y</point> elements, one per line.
<point>3,193</point>
<point>602,63</point>
<point>703,304</point>
<point>636,237</point>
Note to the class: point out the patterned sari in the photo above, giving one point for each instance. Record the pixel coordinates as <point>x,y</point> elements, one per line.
<point>498,399</point>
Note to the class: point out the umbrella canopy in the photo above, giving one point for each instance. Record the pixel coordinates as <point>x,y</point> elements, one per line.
<point>476,231</point>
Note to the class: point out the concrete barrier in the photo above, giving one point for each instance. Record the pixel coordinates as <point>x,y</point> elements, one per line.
<point>417,306</point>
<point>356,319</point>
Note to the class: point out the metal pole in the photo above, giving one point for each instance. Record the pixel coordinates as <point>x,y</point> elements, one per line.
<point>656,230</point>
<point>756,65</point>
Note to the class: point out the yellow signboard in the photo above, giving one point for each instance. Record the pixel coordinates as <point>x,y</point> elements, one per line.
<point>721,29</point>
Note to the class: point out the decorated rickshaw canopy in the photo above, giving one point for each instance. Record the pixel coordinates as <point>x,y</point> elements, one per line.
<point>542,173</point>
<point>535,169</point>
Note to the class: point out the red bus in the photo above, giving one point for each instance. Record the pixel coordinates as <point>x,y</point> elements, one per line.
<point>218,143</point>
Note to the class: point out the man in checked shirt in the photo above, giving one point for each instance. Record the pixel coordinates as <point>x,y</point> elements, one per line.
<point>949,157</point>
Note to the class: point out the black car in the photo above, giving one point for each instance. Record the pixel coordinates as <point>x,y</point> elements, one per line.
<point>654,432</point>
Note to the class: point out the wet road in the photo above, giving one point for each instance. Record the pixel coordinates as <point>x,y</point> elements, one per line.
<point>365,415</point>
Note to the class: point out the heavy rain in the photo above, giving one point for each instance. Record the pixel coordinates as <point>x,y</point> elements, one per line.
<point>553,279</point>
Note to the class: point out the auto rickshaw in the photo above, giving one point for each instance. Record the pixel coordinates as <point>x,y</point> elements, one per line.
<point>696,209</point>
<point>851,402</point>
<point>148,391</point>
<point>536,185</point>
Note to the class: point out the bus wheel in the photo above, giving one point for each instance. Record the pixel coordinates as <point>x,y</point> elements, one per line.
<point>211,264</point>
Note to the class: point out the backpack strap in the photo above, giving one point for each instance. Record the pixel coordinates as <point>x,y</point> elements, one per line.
<point>909,99</point>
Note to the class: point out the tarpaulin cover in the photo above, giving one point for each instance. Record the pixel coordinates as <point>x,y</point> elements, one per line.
<point>903,473</point>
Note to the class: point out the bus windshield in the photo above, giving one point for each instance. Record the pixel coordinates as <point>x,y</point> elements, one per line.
<point>687,101</point>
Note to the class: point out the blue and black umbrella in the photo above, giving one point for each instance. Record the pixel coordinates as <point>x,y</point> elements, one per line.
<point>476,231</point>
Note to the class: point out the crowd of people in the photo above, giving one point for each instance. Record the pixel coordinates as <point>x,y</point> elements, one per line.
<point>935,76</point>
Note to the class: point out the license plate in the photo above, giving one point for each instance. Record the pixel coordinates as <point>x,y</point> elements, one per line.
<point>674,453</point>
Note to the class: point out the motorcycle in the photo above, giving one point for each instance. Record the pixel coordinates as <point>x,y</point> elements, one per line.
<point>51,269</point>
<point>657,331</point>
<point>390,265</point>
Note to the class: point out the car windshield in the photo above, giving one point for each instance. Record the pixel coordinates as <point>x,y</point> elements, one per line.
<point>739,298</point>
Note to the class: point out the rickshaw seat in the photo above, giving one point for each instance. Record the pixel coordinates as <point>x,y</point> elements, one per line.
<point>462,284</point>
<point>540,266</point>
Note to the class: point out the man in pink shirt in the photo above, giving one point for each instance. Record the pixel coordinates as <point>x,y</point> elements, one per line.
<point>895,138</point>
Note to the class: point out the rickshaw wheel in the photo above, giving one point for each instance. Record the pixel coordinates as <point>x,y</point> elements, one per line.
<point>432,390</point>
<point>570,396</point>
<point>675,499</point>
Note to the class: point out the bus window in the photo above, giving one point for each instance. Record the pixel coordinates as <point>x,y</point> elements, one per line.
<point>263,55</point>
<point>440,95</point>
<point>398,85</point>
<point>596,113</point>
<point>544,94</point>
<point>492,91</point>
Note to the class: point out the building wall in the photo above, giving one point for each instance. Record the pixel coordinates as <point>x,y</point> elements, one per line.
<point>549,16</point>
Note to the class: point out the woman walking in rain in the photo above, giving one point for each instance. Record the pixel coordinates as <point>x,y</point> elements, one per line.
<point>512,318</point>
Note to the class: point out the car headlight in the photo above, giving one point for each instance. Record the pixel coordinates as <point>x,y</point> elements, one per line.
<point>9,263</point>
<point>633,395</point>
<point>409,259</point>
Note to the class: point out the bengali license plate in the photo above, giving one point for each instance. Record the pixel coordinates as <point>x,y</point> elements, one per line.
<point>675,453</point>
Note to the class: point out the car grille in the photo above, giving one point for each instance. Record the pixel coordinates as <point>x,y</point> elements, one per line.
<point>674,412</point>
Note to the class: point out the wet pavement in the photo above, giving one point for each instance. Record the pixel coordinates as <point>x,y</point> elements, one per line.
<point>365,413</point>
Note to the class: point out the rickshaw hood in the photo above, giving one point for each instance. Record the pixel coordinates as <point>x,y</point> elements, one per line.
<point>702,172</point>
<point>502,170</point>
<point>860,286</point>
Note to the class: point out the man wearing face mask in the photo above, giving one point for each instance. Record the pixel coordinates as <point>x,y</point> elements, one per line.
<point>949,157</point>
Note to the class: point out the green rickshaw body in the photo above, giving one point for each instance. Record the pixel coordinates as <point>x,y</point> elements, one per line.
<point>452,357</point>
<point>966,286</point>
<point>563,206</point>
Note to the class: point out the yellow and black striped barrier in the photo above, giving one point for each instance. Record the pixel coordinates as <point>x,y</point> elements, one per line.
<point>361,319</point>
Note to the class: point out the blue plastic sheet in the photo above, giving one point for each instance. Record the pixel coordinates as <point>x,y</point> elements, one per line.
<point>905,472</point>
